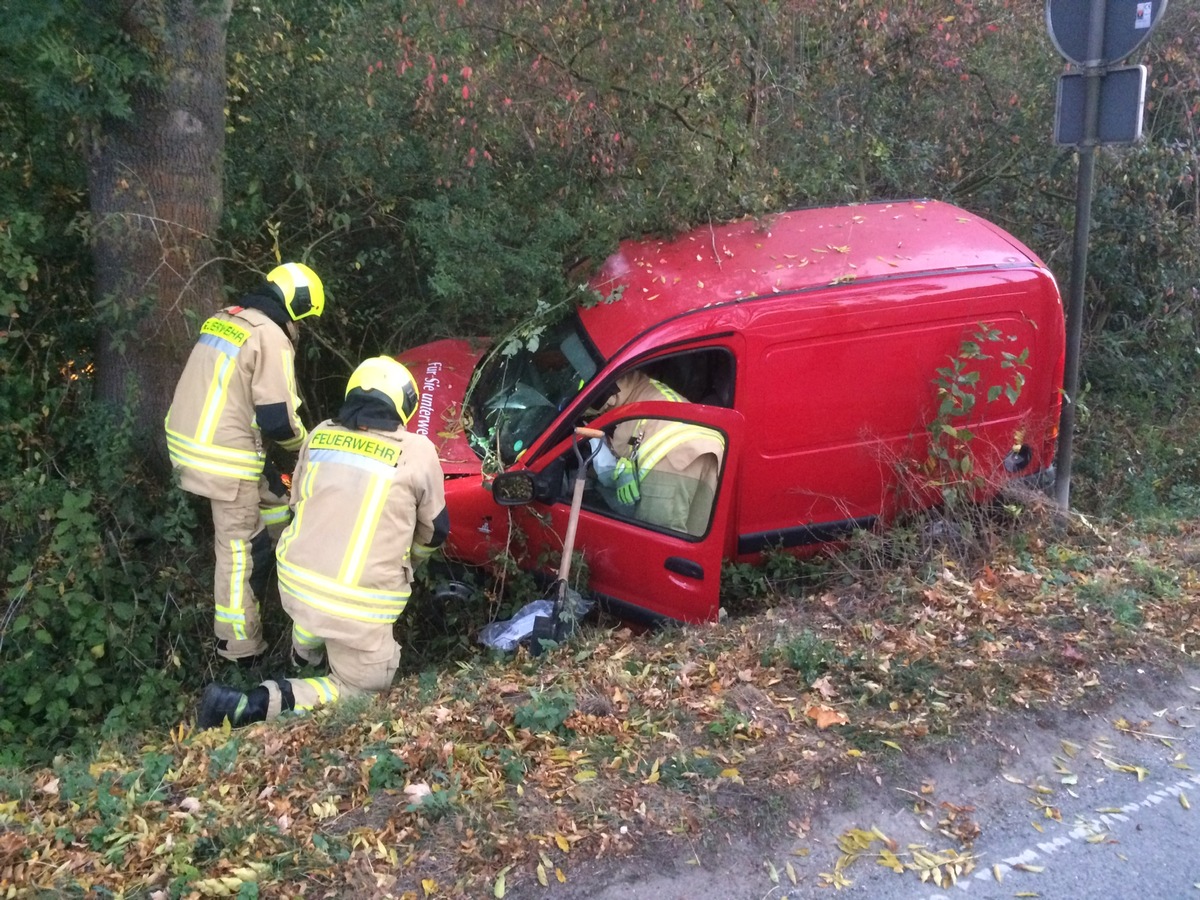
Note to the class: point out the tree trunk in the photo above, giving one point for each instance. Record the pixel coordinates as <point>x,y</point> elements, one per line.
<point>155,183</point>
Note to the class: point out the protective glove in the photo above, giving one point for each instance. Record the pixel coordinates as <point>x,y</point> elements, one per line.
<point>625,481</point>
<point>277,482</point>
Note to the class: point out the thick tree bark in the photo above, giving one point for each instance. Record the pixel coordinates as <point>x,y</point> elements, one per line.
<point>155,182</point>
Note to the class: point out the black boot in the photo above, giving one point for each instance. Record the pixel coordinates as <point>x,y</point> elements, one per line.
<point>220,702</point>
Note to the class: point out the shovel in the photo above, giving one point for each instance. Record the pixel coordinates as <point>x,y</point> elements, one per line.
<point>553,627</point>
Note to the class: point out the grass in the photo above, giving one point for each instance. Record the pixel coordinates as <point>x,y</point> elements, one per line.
<point>522,766</point>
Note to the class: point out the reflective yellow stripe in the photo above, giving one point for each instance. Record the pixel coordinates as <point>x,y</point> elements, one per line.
<point>668,393</point>
<point>289,372</point>
<point>235,611</point>
<point>342,610</point>
<point>214,400</point>
<point>304,489</point>
<point>306,638</point>
<point>273,515</point>
<point>378,598</point>
<point>652,451</point>
<point>364,531</point>
<point>245,465</point>
<point>325,688</point>
<point>342,600</point>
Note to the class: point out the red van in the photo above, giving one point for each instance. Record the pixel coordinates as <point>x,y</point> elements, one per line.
<point>818,346</point>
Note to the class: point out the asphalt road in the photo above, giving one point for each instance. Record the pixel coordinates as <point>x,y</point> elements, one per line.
<point>1102,804</point>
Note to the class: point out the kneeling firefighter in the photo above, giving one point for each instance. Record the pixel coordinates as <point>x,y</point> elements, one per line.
<point>369,504</point>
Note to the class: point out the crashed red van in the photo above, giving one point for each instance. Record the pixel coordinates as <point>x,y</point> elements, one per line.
<point>819,344</point>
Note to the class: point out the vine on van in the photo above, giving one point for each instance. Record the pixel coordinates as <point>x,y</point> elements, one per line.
<point>950,463</point>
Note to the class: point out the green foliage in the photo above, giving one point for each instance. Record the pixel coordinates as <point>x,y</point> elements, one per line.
<point>808,654</point>
<point>434,632</point>
<point>387,771</point>
<point>728,724</point>
<point>545,711</point>
<point>92,633</point>
<point>748,586</point>
<point>1121,601</point>
<point>951,464</point>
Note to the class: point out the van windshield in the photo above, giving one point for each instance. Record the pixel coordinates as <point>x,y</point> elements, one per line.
<point>524,384</point>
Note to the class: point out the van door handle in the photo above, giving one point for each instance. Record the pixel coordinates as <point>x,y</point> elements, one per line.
<point>684,567</point>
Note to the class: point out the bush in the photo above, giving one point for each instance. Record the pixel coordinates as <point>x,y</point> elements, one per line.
<point>93,632</point>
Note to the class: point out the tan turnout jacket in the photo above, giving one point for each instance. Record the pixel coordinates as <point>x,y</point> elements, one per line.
<point>677,463</point>
<point>365,502</point>
<point>242,362</point>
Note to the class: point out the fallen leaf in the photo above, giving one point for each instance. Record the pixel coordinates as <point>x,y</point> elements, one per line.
<point>825,716</point>
<point>417,792</point>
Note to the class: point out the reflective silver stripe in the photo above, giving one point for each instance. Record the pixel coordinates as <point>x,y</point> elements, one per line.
<point>374,466</point>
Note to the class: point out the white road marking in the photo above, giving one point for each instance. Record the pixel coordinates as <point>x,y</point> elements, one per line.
<point>1079,833</point>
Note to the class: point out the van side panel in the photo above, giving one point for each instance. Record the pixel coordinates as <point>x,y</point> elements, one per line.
<point>843,392</point>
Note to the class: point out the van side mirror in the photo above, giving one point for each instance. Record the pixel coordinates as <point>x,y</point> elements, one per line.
<point>513,488</point>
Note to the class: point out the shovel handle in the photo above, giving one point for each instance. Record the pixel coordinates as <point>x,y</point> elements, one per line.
<point>564,568</point>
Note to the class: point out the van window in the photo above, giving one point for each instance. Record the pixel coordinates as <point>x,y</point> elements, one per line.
<point>699,376</point>
<point>524,384</point>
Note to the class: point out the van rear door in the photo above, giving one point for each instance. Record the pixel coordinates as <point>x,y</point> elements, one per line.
<point>638,569</point>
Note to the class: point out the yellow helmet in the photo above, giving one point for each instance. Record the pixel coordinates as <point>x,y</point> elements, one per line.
<point>301,290</point>
<point>390,378</point>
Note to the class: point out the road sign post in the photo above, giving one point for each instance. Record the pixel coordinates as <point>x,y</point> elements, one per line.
<point>1094,35</point>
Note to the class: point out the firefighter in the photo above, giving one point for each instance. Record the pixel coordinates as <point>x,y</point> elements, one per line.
<point>664,471</point>
<point>369,505</point>
<point>237,391</point>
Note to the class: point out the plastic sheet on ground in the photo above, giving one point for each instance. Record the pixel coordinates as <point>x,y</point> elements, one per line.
<point>508,634</point>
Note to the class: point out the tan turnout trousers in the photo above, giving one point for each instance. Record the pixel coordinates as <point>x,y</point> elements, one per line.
<point>242,548</point>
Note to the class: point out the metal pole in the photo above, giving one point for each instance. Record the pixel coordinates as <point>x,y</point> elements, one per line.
<point>1093,72</point>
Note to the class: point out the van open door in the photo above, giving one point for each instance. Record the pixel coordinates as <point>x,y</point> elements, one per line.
<point>658,558</point>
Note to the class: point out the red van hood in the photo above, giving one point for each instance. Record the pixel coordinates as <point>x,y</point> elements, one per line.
<point>443,370</point>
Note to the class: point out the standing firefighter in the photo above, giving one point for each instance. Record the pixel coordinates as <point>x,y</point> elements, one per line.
<point>238,390</point>
<point>369,505</point>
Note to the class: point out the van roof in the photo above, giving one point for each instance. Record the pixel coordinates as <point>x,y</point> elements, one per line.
<point>787,252</point>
